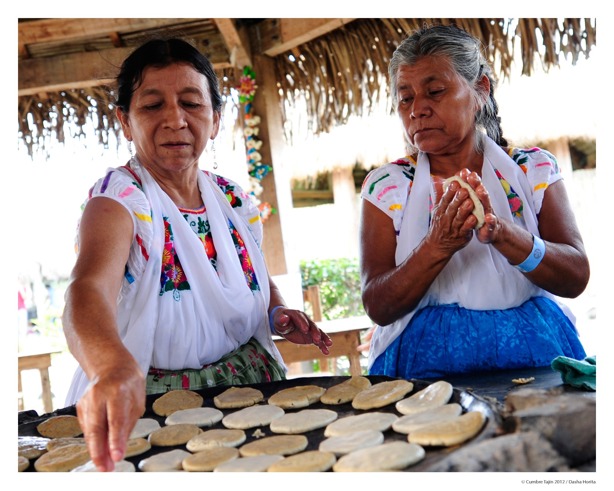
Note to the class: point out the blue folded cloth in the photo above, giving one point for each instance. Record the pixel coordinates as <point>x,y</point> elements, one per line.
<point>577,373</point>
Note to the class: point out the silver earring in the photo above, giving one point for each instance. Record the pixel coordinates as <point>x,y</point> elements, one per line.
<point>214,156</point>
<point>130,149</point>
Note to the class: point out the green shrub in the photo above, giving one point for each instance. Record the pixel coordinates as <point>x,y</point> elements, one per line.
<point>339,283</point>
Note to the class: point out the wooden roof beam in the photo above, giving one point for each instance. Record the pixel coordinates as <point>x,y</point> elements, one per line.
<point>61,30</point>
<point>67,30</point>
<point>274,36</point>
<point>73,71</point>
<point>76,71</point>
<point>237,42</point>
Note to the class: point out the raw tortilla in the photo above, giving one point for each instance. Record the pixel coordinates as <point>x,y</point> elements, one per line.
<point>434,395</point>
<point>451,432</point>
<point>391,456</point>
<point>303,421</point>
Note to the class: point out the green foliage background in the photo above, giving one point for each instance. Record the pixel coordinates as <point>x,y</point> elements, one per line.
<point>339,282</point>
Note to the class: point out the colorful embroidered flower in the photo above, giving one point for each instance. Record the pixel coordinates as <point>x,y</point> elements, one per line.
<point>233,199</point>
<point>209,246</point>
<point>515,203</point>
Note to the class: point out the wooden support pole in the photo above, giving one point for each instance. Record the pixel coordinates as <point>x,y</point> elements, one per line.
<point>276,186</point>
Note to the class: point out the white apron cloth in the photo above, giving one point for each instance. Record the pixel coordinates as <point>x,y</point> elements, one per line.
<point>477,277</point>
<point>226,314</point>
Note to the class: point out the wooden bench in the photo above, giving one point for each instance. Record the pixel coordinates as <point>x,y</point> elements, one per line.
<point>40,362</point>
<point>345,334</point>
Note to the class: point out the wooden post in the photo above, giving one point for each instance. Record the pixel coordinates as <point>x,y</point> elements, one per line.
<point>276,185</point>
<point>346,210</point>
<point>313,293</point>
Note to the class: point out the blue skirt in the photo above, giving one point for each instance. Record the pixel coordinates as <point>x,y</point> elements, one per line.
<point>443,340</point>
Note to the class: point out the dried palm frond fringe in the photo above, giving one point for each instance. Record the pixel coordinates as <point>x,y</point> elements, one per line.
<point>340,74</point>
<point>335,76</point>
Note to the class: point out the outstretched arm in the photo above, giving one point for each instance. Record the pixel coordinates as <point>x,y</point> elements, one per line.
<point>115,397</point>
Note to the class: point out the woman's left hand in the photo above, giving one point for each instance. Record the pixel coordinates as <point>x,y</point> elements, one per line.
<point>488,232</point>
<point>298,328</point>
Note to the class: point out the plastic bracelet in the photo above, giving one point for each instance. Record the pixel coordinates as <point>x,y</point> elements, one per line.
<point>271,317</point>
<point>535,257</point>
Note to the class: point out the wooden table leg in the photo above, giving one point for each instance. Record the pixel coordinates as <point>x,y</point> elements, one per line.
<point>40,362</point>
<point>355,368</point>
<point>20,406</point>
<point>47,399</point>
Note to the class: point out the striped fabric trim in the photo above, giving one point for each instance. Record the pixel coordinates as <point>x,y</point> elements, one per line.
<point>143,217</point>
<point>144,252</point>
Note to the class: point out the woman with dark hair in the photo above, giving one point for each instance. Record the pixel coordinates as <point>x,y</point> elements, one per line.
<point>467,243</point>
<point>170,289</point>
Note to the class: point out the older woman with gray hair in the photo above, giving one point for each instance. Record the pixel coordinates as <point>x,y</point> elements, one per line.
<point>467,244</point>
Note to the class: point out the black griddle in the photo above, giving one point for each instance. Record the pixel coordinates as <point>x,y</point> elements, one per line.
<point>28,420</point>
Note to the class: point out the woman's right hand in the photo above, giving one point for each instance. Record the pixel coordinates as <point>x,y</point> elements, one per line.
<point>108,411</point>
<point>452,222</point>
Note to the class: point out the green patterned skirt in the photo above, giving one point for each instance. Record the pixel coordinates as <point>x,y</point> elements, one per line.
<point>248,364</point>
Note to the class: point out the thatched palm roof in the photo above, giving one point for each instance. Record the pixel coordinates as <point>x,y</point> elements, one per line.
<point>339,73</point>
<point>345,72</point>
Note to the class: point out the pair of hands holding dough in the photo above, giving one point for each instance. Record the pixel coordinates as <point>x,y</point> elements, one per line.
<point>305,330</point>
<point>463,206</point>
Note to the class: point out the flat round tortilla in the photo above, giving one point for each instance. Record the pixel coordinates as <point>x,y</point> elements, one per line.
<point>382,394</point>
<point>297,397</point>
<point>377,420</point>
<point>143,427</point>
<point>175,400</point>
<point>434,395</point>
<point>62,442</point>
<point>209,459</point>
<point>345,391</point>
<point>121,466</point>
<point>164,462</point>
<point>275,445</point>
<point>478,207</point>
<point>32,447</point>
<point>169,436</point>
<point>411,422</point>
<point>252,417</point>
<point>350,442</point>
<point>60,426</point>
<point>216,438</point>
<point>22,463</point>
<point>199,416</point>
<point>136,446</point>
<point>62,459</point>
<point>450,432</point>
<point>238,397</point>
<point>257,463</point>
<point>303,421</point>
<point>391,456</point>
<point>310,461</point>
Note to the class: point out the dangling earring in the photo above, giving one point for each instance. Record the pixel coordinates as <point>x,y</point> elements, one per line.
<point>130,148</point>
<point>214,156</point>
